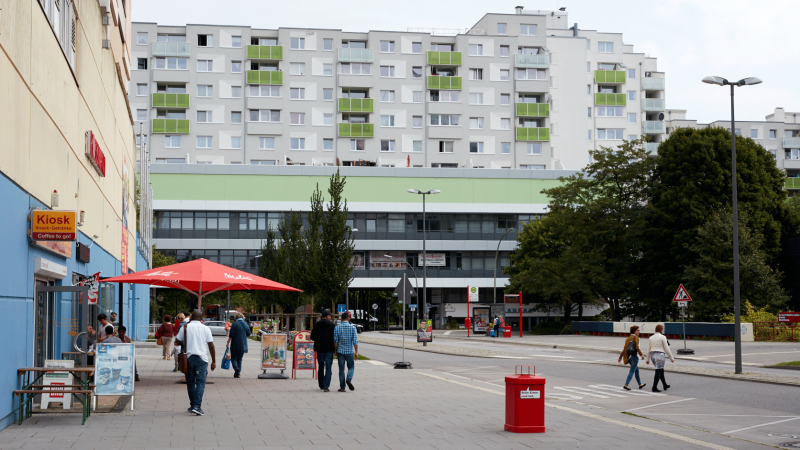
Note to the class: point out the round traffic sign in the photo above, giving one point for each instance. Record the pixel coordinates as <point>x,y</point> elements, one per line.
<point>374,306</point>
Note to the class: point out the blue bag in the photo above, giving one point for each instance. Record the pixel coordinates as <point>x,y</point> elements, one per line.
<point>491,333</point>
<point>226,360</point>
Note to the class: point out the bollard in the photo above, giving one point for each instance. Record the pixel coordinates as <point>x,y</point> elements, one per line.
<point>524,401</point>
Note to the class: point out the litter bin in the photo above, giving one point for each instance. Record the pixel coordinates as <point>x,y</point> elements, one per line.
<point>507,331</point>
<point>524,401</point>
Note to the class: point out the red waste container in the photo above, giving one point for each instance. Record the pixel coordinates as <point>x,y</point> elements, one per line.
<point>507,332</point>
<point>524,401</point>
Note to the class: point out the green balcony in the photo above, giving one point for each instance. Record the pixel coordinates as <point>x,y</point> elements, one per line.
<point>173,126</point>
<point>355,104</point>
<point>653,104</point>
<point>609,76</point>
<point>533,134</point>
<point>265,52</point>
<point>533,109</point>
<point>610,99</point>
<point>531,61</point>
<point>356,130</point>
<point>356,55</point>
<point>264,77</point>
<point>653,84</point>
<point>444,58</point>
<point>172,49</point>
<point>792,183</point>
<point>437,82</point>
<point>170,100</point>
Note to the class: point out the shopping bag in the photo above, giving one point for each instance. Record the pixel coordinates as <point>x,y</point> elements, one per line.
<point>159,341</point>
<point>226,360</point>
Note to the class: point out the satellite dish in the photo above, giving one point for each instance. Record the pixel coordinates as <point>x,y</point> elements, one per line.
<point>661,116</point>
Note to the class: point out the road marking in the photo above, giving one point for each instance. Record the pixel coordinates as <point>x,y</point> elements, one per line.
<point>472,368</point>
<point>753,354</point>
<point>759,426</point>
<point>578,390</point>
<point>659,404</point>
<point>447,333</point>
<point>553,356</point>
<point>377,363</point>
<point>722,415</point>
<point>616,389</point>
<point>508,357</point>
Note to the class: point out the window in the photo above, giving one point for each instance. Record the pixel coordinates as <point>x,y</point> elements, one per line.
<point>265,91</point>
<point>504,74</point>
<point>773,134</point>
<point>387,121</point>
<point>588,44</point>
<point>527,30</point>
<point>754,133</point>
<point>786,133</point>
<point>236,142</point>
<point>387,145</point>
<point>236,117</point>
<point>387,96</point>
<point>588,66</point>
<point>416,122</point>
<point>172,63</point>
<point>739,132</point>
<point>205,40</point>
<point>605,47</point>
<point>327,69</point>
<point>297,93</point>
<point>444,120</point>
<point>609,111</point>
<point>236,41</point>
<point>774,154</point>
<point>263,162</point>
<point>387,46</point>
<point>588,89</point>
<point>590,135</point>
<point>266,143</point>
<point>141,38</point>
<point>416,72</point>
<point>170,160</point>
<point>505,99</point>
<point>441,47</point>
<point>476,98</point>
<point>357,145</point>
<point>534,148</point>
<point>297,143</point>
<point>505,124</point>
<point>141,63</point>
<point>204,141</point>
<point>172,141</point>
<point>205,65</point>
<point>236,91</point>
<point>505,148</point>
<point>141,89</point>
<point>141,115</point>
<point>476,147</point>
<point>631,117</point>
<point>297,118</point>
<point>475,50</point>
<point>416,47</point>
<point>532,166</point>
<point>416,97</point>
<point>355,68</point>
<point>327,145</point>
<point>387,71</point>
<point>265,115</point>
<point>610,134</point>
<point>504,51</point>
<point>792,154</point>
<point>204,117</point>
<point>263,41</point>
<point>632,137</point>
<point>476,74</point>
<point>297,68</point>
<point>446,146</point>
<point>236,67</point>
<point>589,111</point>
<point>631,96</point>
<point>327,45</point>
<point>416,146</point>
<point>327,119</point>
<point>631,74</point>
<point>297,43</point>
<point>501,28</point>
<point>531,74</point>
<point>205,90</point>
<point>444,96</point>
<point>476,123</point>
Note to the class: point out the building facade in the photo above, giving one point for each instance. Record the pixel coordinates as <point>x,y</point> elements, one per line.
<point>523,91</point>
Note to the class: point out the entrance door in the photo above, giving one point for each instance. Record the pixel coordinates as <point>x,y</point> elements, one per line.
<point>45,324</point>
<point>61,317</point>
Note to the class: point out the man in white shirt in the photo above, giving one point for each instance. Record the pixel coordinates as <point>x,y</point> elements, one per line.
<point>197,341</point>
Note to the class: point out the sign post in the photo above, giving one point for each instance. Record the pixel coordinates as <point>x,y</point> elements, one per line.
<point>374,308</point>
<point>683,299</point>
<point>340,308</point>
<point>405,291</point>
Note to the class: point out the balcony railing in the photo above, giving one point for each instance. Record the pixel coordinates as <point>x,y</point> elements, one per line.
<point>437,82</point>
<point>264,77</point>
<point>175,126</point>
<point>356,104</point>
<point>654,127</point>
<point>170,100</point>
<point>356,130</point>
<point>791,142</point>
<point>532,61</point>
<point>653,84</point>
<point>651,147</point>
<point>533,134</point>
<point>533,109</point>
<point>792,183</point>
<point>609,76</point>
<point>269,52</point>
<point>171,49</point>
<point>653,104</point>
<point>610,99</point>
<point>357,55</point>
<point>444,58</point>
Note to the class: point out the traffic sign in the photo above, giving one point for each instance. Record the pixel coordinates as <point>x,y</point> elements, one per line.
<point>683,304</point>
<point>681,295</point>
<point>374,306</point>
<point>409,290</point>
<point>340,308</point>
<point>412,306</point>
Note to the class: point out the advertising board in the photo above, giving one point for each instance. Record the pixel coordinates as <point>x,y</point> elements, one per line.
<point>115,367</point>
<point>273,351</point>
<point>54,226</point>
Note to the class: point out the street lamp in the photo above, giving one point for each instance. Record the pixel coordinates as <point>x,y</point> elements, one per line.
<point>737,330</point>
<point>496,253</point>
<point>424,312</point>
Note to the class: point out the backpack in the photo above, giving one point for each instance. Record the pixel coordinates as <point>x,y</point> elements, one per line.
<point>631,348</point>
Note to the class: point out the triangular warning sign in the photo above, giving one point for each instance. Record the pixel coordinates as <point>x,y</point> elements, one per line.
<point>681,295</point>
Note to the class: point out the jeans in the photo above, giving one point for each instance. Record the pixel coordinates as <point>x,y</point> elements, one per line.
<point>196,380</point>
<point>634,362</point>
<point>324,361</point>
<point>350,368</point>
<point>236,362</point>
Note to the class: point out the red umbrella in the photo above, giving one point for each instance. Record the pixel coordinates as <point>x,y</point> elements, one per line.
<point>201,277</point>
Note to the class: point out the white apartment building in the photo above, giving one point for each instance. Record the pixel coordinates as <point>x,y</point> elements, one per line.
<point>521,90</point>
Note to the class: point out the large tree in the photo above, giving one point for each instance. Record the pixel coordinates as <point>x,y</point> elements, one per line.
<point>337,243</point>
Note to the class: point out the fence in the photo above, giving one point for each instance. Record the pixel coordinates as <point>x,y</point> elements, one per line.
<point>144,332</point>
<point>776,331</point>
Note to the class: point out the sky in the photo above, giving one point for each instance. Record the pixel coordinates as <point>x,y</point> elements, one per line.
<point>691,38</point>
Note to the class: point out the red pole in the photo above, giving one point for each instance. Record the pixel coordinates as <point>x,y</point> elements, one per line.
<point>467,307</point>
<point>520,313</point>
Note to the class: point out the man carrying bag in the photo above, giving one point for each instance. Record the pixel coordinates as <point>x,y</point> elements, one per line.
<point>197,342</point>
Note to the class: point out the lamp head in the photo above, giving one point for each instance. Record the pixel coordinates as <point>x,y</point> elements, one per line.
<point>749,81</point>
<point>434,191</point>
<point>719,81</point>
<point>414,191</point>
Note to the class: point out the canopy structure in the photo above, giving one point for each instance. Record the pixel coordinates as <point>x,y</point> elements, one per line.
<point>201,277</point>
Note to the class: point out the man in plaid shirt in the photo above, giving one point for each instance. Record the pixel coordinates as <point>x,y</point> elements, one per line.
<point>345,344</point>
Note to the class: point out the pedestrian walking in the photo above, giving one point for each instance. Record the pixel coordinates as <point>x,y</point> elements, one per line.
<point>237,343</point>
<point>496,326</point>
<point>122,334</point>
<point>322,335</point>
<point>631,352</point>
<point>658,350</point>
<point>345,344</point>
<point>166,333</point>
<point>198,343</point>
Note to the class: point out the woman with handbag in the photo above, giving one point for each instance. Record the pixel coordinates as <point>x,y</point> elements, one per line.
<point>165,336</point>
<point>631,352</point>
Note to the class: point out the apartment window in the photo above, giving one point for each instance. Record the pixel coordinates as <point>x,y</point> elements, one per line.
<point>416,96</point>
<point>416,47</point>
<point>416,146</point>
<point>141,89</point>
<point>236,91</point>
<point>446,146</point>
<point>445,96</point>
<point>532,166</point>
<point>786,133</point>
<point>172,63</point>
<point>297,68</point>
<point>172,142</point>
<point>327,94</point>
<point>297,143</point>
<point>774,154</point>
<point>531,74</point>
<point>327,45</point>
<point>266,143</point>
<point>754,133</point>
<point>236,142</point>
<point>416,72</point>
<point>631,74</point>
<point>204,141</point>
<point>357,145</point>
<point>387,96</point>
<point>792,154</point>
<point>355,68</point>
<point>297,43</point>
<point>588,89</point>
<point>475,50</point>
<point>204,90</point>
<point>265,115</point>
<point>609,111</point>
<point>416,122</point>
<point>739,132</point>
<point>505,124</point>
<point>297,93</point>
<point>605,47</point>
<point>444,120</point>
<point>387,121</point>
<point>632,137</point>
<point>631,96</point>
<point>327,119</point>
<point>204,117</point>
<point>527,30</point>
<point>534,148</point>
<point>501,28</point>
<point>476,147</point>
<point>263,41</point>
<point>236,67</point>
<point>476,98</point>
<point>476,123</point>
<point>773,134</point>
<point>141,63</point>
<point>205,40</point>
<point>588,66</point>
<point>476,74</point>
<point>505,99</point>
<point>387,71</point>
<point>589,111</point>
<point>387,145</point>
<point>236,117</point>
<point>590,135</point>
<point>441,47</point>
<point>141,38</point>
<point>504,74</point>
<point>297,118</point>
<point>504,51</point>
<point>263,162</point>
<point>265,91</point>
<point>610,134</point>
<point>236,41</point>
<point>387,46</point>
<point>327,145</point>
<point>181,114</point>
<point>588,44</point>
<point>505,148</point>
<point>141,115</point>
<point>205,65</point>
<point>327,69</point>
<point>631,117</point>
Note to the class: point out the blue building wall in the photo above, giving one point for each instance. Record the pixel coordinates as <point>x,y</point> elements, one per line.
<point>17,290</point>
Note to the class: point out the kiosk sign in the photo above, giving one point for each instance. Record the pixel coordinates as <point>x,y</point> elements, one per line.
<point>53,225</point>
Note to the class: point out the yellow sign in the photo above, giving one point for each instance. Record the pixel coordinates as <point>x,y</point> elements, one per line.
<point>54,225</point>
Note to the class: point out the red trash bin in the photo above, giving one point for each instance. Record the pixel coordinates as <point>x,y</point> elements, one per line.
<point>524,401</point>
<point>506,332</point>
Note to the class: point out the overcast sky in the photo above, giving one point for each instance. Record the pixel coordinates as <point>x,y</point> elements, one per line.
<point>690,38</point>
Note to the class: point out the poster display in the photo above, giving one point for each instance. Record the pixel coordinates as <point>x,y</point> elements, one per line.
<point>124,255</point>
<point>480,319</point>
<point>387,260</point>
<point>303,357</point>
<point>433,260</point>
<point>424,330</point>
<point>115,368</point>
<point>57,379</point>
<point>94,287</point>
<point>358,261</point>
<point>273,351</point>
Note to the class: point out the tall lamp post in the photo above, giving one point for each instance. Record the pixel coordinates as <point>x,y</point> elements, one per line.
<point>737,330</point>
<point>496,253</point>
<point>423,314</point>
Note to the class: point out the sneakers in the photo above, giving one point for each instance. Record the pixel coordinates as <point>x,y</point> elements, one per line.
<point>350,385</point>
<point>326,390</point>
<point>197,412</point>
<point>189,409</point>
<point>175,370</point>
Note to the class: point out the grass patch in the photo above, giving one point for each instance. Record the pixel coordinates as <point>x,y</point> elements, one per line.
<point>641,417</point>
<point>362,357</point>
<point>789,363</point>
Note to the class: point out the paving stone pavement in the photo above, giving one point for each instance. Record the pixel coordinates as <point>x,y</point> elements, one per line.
<point>390,409</point>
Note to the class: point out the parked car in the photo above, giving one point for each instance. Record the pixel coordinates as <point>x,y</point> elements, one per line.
<point>359,327</point>
<point>217,327</point>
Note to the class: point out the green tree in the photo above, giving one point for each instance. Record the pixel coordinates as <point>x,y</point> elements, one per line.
<point>291,254</point>
<point>269,267</point>
<point>337,243</point>
<point>158,309</point>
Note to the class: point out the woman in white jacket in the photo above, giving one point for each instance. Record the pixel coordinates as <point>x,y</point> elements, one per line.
<point>658,351</point>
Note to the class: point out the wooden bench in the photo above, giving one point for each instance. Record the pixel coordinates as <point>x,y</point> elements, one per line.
<point>32,388</point>
<point>26,395</point>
